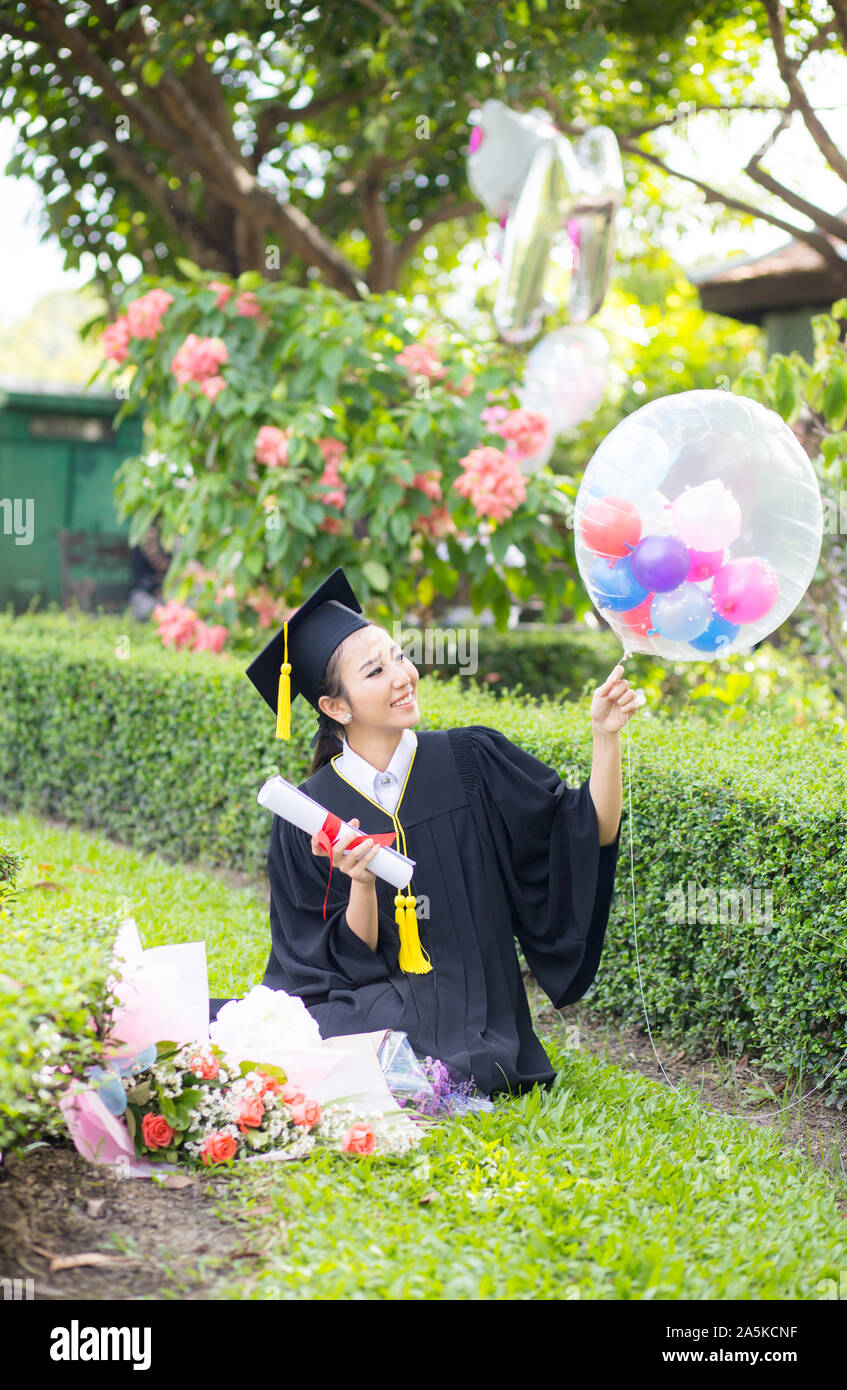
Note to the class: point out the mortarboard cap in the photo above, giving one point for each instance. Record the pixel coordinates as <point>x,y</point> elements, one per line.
<point>294,662</point>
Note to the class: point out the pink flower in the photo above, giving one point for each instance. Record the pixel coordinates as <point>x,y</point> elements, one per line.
<point>464,388</point>
<point>225,292</point>
<point>218,1148</point>
<point>115,339</point>
<point>247,306</point>
<point>250,1112</point>
<point>492,481</point>
<point>333,451</point>
<point>492,415</point>
<point>421,359</point>
<point>359,1139</point>
<point>224,592</point>
<point>528,430</point>
<point>266,608</point>
<point>330,478</point>
<point>268,1083</point>
<point>271,446</point>
<point>333,524</point>
<point>437,524</point>
<point>205,1065</point>
<point>429,483</point>
<point>156,1132</point>
<point>291,1094</point>
<point>306,1113</point>
<point>198,359</point>
<point>210,639</point>
<point>144,314</point>
<point>212,387</point>
<point>176,623</point>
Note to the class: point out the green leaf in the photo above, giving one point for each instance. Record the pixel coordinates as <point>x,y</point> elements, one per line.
<point>190,270</point>
<point>377,575</point>
<point>835,395</point>
<point>400,528</point>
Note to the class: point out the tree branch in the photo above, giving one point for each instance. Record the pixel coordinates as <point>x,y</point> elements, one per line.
<point>713,195</point>
<point>447,211</point>
<point>797,97</point>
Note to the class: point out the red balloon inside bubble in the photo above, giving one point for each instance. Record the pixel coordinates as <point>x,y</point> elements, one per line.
<point>638,619</point>
<point>611,526</point>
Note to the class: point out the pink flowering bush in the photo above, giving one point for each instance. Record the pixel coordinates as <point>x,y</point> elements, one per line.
<point>179,626</point>
<point>492,482</point>
<point>295,431</point>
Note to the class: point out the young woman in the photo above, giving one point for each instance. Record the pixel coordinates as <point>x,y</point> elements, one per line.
<point>503,850</point>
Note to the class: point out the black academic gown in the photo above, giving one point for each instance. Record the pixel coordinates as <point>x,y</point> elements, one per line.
<point>503,849</point>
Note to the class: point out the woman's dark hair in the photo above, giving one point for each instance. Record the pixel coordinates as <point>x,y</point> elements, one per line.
<point>328,744</point>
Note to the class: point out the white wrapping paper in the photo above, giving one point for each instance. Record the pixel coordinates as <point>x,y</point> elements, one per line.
<point>287,801</point>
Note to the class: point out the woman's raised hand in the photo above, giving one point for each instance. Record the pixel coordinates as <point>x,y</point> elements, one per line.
<point>614,703</point>
<point>354,862</point>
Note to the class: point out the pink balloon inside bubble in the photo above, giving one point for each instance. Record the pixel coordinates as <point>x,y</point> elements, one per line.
<point>476,138</point>
<point>704,563</point>
<point>745,589</point>
<point>707,517</point>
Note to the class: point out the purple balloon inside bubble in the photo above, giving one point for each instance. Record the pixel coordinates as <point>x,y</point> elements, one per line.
<point>660,563</point>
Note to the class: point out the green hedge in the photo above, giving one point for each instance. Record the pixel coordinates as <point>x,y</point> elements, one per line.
<point>167,750</point>
<point>53,1002</point>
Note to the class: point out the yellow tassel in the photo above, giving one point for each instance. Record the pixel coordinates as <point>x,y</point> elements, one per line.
<point>413,959</point>
<point>283,699</point>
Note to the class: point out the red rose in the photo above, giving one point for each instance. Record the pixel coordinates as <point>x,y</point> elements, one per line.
<point>251,1112</point>
<point>218,1148</point>
<point>306,1113</point>
<point>359,1139</point>
<point>156,1131</point>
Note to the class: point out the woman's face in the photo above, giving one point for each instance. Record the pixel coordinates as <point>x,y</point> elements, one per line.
<point>376,675</point>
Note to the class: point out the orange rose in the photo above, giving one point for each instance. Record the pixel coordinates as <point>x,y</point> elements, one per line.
<point>292,1095</point>
<point>218,1148</point>
<point>156,1131</point>
<point>269,1083</point>
<point>207,1067</point>
<point>359,1139</point>
<point>307,1113</point>
<point>251,1112</point>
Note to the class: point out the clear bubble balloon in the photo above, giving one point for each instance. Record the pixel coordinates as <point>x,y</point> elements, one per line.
<point>731,523</point>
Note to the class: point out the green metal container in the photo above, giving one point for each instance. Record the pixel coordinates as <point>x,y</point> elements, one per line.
<point>60,537</point>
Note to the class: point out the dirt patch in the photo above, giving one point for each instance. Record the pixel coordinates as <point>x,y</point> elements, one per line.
<point>154,1242</point>
<point>818,1131</point>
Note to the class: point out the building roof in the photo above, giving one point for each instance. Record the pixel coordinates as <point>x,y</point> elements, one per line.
<point>793,276</point>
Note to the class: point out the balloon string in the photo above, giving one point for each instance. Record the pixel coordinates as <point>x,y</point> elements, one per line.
<point>739,1114</point>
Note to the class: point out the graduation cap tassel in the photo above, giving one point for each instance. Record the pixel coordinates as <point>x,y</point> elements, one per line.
<point>283,699</point>
<point>413,959</point>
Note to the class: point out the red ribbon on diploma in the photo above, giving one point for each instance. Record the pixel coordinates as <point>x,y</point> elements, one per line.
<point>328,835</point>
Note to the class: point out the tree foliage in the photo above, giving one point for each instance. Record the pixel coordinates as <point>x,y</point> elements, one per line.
<point>329,141</point>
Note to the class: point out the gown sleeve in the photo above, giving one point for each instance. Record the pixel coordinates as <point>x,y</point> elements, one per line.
<point>310,956</point>
<point>557,877</point>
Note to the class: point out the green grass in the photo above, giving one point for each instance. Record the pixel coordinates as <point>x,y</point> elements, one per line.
<point>609,1186</point>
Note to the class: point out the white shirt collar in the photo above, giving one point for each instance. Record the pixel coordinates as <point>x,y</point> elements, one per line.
<point>368,779</point>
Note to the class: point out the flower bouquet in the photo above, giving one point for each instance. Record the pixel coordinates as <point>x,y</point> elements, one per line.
<point>193,1105</point>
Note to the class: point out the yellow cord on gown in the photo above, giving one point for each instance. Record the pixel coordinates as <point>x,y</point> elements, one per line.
<point>413,959</point>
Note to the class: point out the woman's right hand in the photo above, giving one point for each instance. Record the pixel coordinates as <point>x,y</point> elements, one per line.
<point>354,862</point>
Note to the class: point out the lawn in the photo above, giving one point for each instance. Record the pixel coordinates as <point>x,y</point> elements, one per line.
<point>609,1186</point>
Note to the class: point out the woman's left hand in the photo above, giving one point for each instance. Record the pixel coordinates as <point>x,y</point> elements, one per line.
<point>613,703</point>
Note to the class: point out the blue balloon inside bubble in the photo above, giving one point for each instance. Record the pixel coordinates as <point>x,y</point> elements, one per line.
<point>615,586</point>
<point>719,633</point>
<point>682,613</point>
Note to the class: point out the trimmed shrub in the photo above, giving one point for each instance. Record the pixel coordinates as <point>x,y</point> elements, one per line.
<point>739,853</point>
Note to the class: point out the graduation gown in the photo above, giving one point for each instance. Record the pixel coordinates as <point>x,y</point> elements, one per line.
<point>504,849</point>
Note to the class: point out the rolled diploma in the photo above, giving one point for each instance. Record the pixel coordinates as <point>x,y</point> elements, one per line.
<point>286,800</point>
